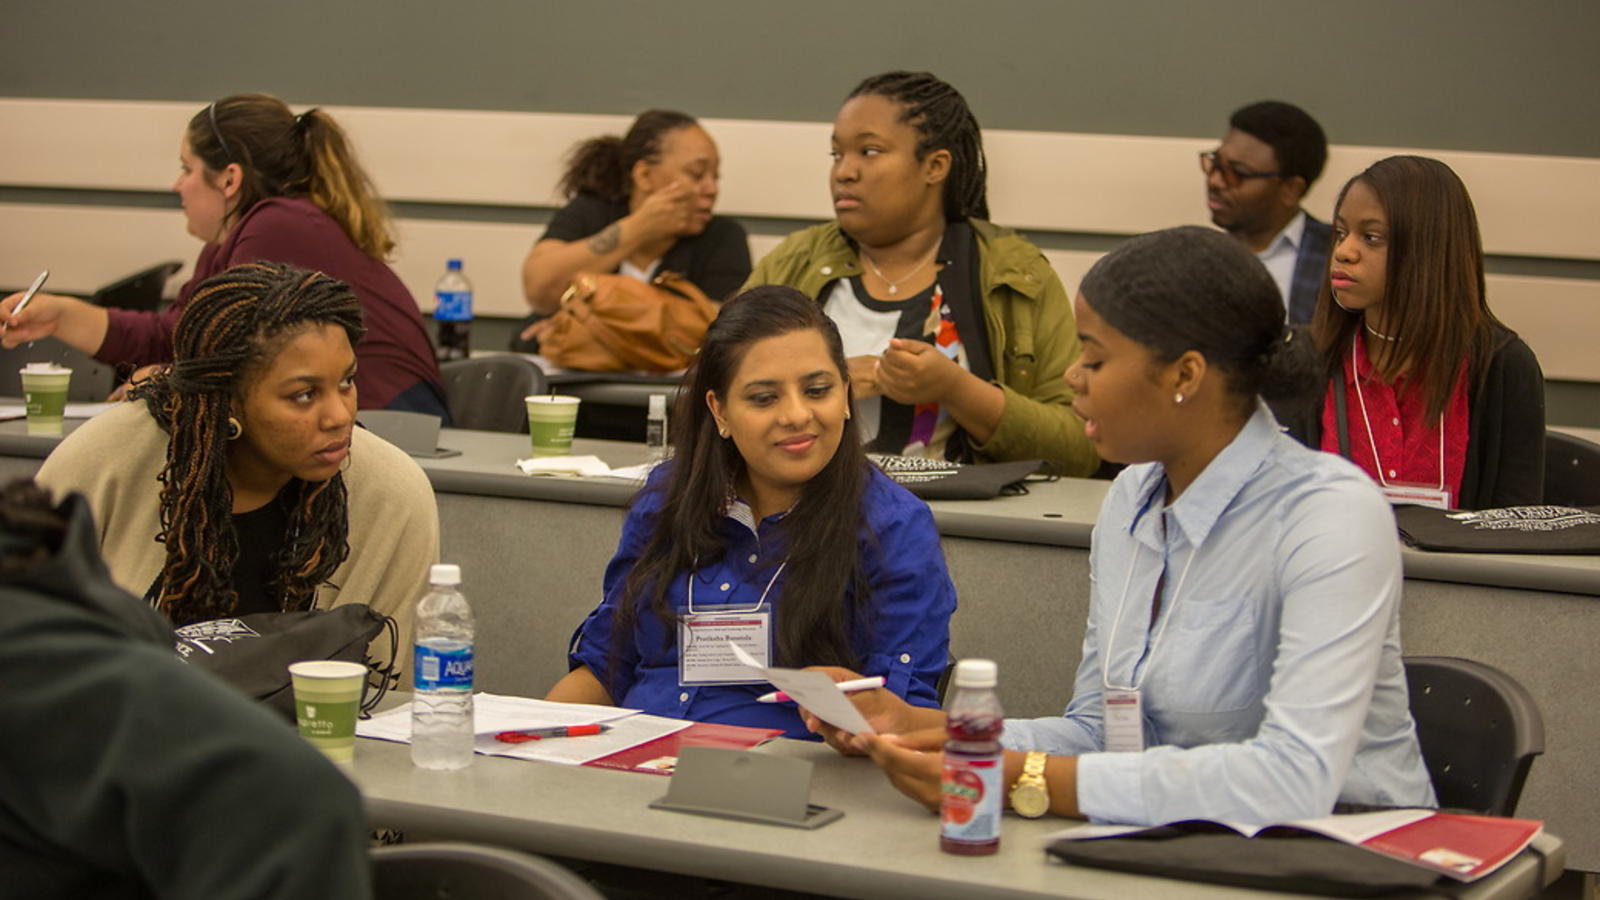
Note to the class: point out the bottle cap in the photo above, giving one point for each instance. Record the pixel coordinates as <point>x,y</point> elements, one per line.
<point>976,673</point>
<point>453,265</point>
<point>444,573</point>
<point>658,406</point>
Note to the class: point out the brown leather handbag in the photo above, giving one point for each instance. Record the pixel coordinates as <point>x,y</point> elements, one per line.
<point>613,323</point>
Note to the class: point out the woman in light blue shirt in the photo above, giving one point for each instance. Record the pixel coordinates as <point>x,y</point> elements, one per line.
<point>1244,622</point>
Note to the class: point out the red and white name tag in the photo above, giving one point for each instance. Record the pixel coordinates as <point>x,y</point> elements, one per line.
<point>1123,720</point>
<point>1417,495</point>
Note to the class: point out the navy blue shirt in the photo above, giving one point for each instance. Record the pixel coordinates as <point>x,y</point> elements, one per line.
<point>906,640</point>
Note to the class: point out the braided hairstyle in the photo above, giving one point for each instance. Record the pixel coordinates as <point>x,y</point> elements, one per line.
<point>234,325</point>
<point>943,122</point>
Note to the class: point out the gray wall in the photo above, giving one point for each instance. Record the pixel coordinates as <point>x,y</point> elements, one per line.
<point>1457,74</point>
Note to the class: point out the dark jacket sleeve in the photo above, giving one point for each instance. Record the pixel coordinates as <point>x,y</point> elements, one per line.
<point>130,767</point>
<point>1505,456</point>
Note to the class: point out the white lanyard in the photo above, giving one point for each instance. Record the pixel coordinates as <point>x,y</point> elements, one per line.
<point>759,603</point>
<point>1122,605</point>
<point>1362,402</point>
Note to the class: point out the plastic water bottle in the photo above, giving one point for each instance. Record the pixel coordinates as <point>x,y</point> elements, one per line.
<point>441,707</point>
<point>655,428</point>
<point>974,766</point>
<point>453,312</point>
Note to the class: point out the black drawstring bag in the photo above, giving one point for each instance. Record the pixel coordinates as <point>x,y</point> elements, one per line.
<point>254,652</point>
<point>1514,529</point>
<point>937,479</point>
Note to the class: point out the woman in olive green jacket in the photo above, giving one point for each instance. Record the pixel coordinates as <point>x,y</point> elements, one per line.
<point>958,331</point>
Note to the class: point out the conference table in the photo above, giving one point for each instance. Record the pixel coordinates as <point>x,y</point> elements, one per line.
<point>533,551</point>
<point>885,846</point>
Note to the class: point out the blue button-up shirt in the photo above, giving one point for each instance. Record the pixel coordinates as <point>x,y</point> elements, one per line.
<point>1277,687</point>
<point>906,636</point>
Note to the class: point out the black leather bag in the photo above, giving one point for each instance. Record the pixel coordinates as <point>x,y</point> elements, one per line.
<point>254,652</point>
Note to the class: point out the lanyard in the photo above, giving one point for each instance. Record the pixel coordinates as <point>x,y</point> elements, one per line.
<point>1122,605</point>
<point>1362,402</point>
<point>759,603</point>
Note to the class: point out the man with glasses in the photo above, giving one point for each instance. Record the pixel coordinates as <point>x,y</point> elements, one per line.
<point>1255,180</point>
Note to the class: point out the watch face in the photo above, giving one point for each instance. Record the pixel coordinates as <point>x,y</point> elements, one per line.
<point>1030,800</point>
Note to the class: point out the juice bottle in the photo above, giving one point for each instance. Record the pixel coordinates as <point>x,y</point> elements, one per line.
<point>974,765</point>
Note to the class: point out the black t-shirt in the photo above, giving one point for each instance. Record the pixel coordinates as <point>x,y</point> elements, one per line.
<point>717,260</point>
<point>261,534</point>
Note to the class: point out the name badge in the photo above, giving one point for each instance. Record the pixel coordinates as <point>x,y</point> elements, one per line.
<point>1123,716</point>
<point>705,651</point>
<point>1416,495</point>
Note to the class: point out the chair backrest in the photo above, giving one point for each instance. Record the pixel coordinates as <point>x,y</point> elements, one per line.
<point>471,872</point>
<point>1479,730</point>
<point>1571,470</point>
<point>141,290</point>
<point>486,393</point>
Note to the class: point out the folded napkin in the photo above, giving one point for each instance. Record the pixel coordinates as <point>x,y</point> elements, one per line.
<point>587,466</point>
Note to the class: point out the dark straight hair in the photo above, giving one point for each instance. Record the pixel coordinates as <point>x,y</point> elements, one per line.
<point>604,165</point>
<point>943,121</point>
<point>825,593</point>
<point>1193,288</point>
<point>1433,282</point>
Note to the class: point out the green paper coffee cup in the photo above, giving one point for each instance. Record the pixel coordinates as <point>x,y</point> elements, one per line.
<point>44,389</point>
<point>552,418</point>
<point>327,696</point>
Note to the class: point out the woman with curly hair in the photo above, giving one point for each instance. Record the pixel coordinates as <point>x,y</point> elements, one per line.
<point>236,481</point>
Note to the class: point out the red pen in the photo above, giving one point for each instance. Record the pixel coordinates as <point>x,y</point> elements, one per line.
<point>534,734</point>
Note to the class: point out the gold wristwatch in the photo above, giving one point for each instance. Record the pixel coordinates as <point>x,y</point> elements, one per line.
<point>1030,796</point>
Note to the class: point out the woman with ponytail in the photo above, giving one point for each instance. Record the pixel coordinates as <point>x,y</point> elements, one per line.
<point>638,205</point>
<point>258,182</point>
<point>1242,654</point>
<point>235,481</point>
<point>957,330</point>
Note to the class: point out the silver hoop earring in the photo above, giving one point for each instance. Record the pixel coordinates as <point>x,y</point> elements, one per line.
<point>235,430</point>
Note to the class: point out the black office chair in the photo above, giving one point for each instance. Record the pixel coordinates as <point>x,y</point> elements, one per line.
<point>1479,730</point>
<point>471,872</point>
<point>141,290</point>
<point>1571,470</point>
<point>486,393</point>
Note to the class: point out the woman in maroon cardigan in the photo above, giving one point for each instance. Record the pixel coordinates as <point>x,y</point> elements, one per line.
<point>259,183</point>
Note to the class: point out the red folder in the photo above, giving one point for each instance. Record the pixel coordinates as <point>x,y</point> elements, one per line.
<point>1464,847</point>
<point>660,756</point>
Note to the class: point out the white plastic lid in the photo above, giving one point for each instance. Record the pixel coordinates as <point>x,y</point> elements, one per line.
<point>658,406</point>
<point>45,368</point>
<point>977,673</point>
<point>445,573</point>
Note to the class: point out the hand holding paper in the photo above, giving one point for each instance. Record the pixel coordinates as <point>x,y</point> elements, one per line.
<point>813,690</point>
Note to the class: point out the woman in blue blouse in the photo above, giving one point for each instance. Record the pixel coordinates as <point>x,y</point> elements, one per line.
<point>1242,655</point>
<point>768,528</point>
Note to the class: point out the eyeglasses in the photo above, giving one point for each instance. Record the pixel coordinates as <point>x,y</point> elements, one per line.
<point>1232,173</point>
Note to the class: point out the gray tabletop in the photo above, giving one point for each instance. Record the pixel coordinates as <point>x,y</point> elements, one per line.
<point>885,846</point>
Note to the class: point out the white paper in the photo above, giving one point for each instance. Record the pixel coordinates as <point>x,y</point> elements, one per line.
<point>72,411</point>
<point>625,733</point>
<point>494,713</point>
<point>634,473</point>
<point>814,690</point>
<point>586,466</point>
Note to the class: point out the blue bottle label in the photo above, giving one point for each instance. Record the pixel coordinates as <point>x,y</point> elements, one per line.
<point>435,669</point>
<point>453,306</point>
<point>969,806</point>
